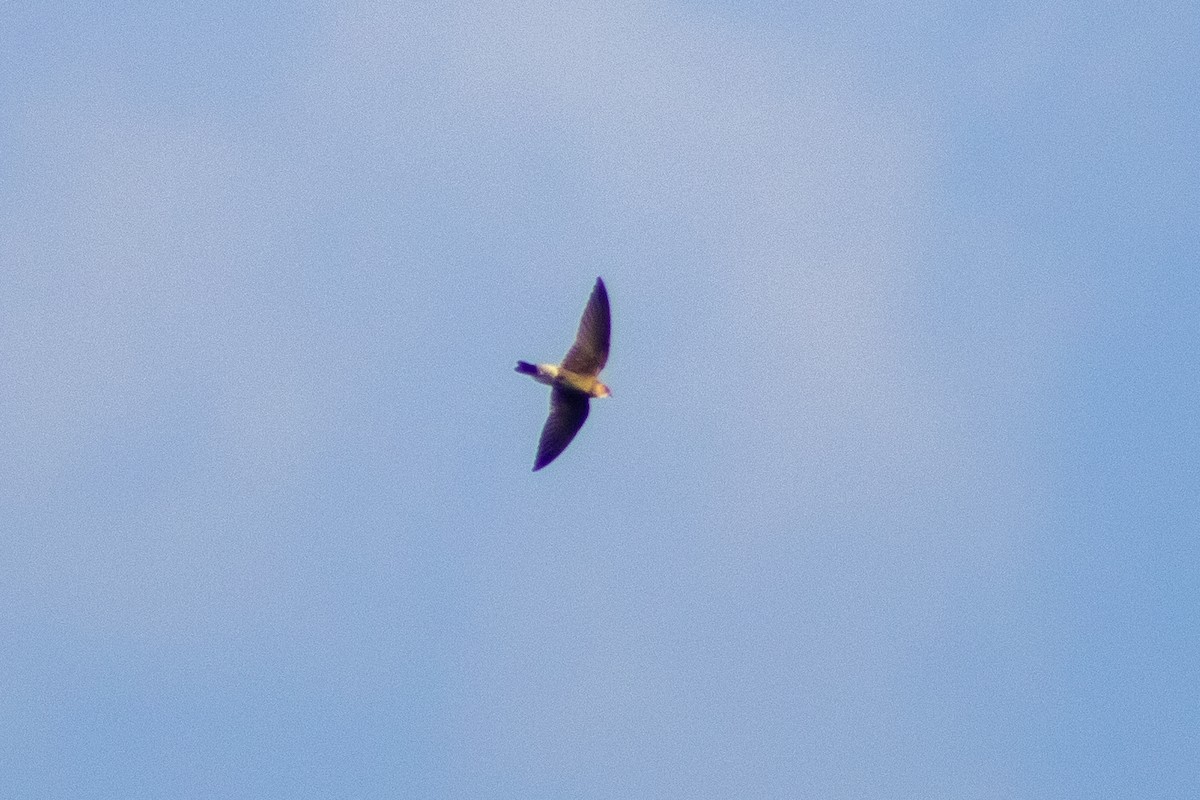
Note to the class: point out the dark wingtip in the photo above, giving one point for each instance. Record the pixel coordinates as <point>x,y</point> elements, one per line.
<point>541,462</point>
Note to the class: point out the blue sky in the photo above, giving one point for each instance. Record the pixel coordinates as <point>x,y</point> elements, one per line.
<point>896,495</point>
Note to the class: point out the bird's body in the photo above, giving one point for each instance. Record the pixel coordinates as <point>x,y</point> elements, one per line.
<point>575,380</point>
<point>555,375</point>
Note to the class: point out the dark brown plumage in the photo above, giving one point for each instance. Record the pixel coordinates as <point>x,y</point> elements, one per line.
<point>576,380</point>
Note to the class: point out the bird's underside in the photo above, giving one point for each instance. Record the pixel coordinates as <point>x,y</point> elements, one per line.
<point>576,380</point>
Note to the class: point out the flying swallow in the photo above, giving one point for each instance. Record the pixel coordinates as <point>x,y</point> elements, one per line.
<point>576,380</point>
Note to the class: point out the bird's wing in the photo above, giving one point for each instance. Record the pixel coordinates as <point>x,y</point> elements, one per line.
<point>568,410</point>
<point>590,351</point>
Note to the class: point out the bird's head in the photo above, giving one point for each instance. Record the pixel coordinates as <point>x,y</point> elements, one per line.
<point>603,390</point>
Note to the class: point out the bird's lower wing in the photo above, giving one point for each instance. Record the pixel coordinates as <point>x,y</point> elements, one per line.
<point>568,411</point>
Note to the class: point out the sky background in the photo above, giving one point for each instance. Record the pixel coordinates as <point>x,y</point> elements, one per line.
<point>897,496</point>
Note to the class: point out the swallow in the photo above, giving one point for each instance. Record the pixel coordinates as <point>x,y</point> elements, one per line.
<point>576,380</point>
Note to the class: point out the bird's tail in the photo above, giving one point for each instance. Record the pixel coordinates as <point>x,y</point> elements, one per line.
<point>525,368</point>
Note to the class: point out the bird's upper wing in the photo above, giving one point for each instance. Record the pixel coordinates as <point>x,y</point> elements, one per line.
<point>590,351</point>
<point>568,411</point>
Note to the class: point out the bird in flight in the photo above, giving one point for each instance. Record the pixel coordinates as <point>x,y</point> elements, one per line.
<point>576,380</point>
